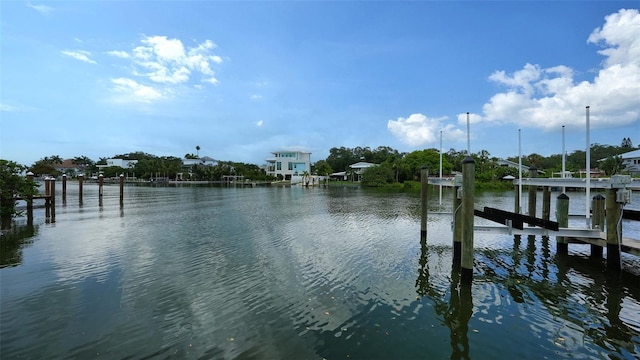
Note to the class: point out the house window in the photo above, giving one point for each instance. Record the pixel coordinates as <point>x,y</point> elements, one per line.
<point>278,165</point>
<point>290,166</point>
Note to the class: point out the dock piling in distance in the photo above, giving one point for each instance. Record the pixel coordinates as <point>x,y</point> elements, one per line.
<point>80,179</point>
<point>424,187</point>
<point>597,222</point>
<point>52,192</point>
<point>121,189</point>
<point>562,217</point>
<point>614,231</point>
<point>468,189</point>
<point>100,184</point>
<point>457,220</point>
<point>533,173</point>
<point>30,200</point>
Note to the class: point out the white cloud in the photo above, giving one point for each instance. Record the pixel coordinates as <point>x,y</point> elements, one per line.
<point>130,90</point>
<point>259,123</point>
<point>79,55</point>
<point>167,61</point>
<point>5,107</point>
<point>548,98</point>
<point>42,9</point>
<point>419,130</point>
<point>120,54</point>
<point>255,97</point>
<point>473,118</point>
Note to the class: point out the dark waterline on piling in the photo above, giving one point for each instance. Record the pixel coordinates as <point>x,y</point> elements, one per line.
<point>299,273</point>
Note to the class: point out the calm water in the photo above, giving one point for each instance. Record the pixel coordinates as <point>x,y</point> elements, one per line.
<point>295,273</point>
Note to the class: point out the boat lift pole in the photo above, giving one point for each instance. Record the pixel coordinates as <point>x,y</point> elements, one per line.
<point>564,189</point>
<point>588,192</point>
<point>520,171</point>
<point>440,168</point>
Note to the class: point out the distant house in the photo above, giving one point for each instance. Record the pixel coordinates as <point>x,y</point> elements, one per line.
<point>631,162</point>
<point>205,161</point>
<point>288,164</point>
<point>125,164</point>
<point>358,168</point>
<point>68,167</point>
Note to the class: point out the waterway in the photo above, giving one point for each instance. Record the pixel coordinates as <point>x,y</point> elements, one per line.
<point>296,273</point>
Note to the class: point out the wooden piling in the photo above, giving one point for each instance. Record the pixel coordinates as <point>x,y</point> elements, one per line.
<point>546,203</point>
<point>100,184</point>
<point>64,186</point>
<point>457,220</point>
<point>614,231</point>
<point>424,182</point>
<point>80,179</point>
<point>468,190</point>
<point>47,199</point>
<point>121,189</point>
<point>30,201</point>
<point>597,222</point>
<point>52,192</point>
<point>533,190</point>
<point>562,217</point>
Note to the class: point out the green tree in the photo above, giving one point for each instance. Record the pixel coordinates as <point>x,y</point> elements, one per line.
<point>12,184</point>
<point>414,161</point>
<point>321,167</point>
<point>379,175</point>
<point>612,165</point>
<point>46,166</point>
<point>83,163</point>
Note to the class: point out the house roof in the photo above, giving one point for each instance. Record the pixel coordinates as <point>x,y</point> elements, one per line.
<point>361,165</point>
<point>630,155</point>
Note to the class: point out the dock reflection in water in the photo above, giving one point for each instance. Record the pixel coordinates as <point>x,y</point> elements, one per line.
<point>198,272</point>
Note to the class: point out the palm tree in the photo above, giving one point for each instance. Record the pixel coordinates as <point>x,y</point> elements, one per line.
<point>198,150</point>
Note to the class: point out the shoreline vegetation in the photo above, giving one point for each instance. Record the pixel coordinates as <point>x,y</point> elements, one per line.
<point>391,169</point>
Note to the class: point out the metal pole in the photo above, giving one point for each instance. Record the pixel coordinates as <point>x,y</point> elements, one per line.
<point>440,168</point>
<point>588,194</point>
<point>519,210</point>
<point>468,136</point>
<point>564,155</point>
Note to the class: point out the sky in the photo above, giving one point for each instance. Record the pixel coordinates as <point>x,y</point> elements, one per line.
<point>242,79</point>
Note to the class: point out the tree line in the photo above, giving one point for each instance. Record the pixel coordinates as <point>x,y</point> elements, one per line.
<point>394,166</point>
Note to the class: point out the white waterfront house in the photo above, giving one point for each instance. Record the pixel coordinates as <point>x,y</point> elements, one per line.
<point>358,168</point>
<point>288,164</point>
<point>204,161</point>
<point>631,162</point>
<point>125,164</point>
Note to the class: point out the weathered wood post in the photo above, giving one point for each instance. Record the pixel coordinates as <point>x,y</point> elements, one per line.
<point>468,189</point>
<point>80,179</point>
<point>614,232</point>
<point>562,217</point>
<point>30,201</point>
<point>52,191</point>
<point>121,189</point>
<point>597,222</point>
<point>47,199</point>
<point>457,220</point>
<point>100,184</point>
<point>64,188</point>
<point>533,190</point>
<point>424,185</point>
<point>546,203</point>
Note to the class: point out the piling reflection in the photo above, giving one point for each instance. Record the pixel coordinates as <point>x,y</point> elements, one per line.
<point>12,243</point>
<point>457,312</point>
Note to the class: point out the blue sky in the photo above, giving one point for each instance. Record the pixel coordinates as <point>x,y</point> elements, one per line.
<point>242,79</point>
